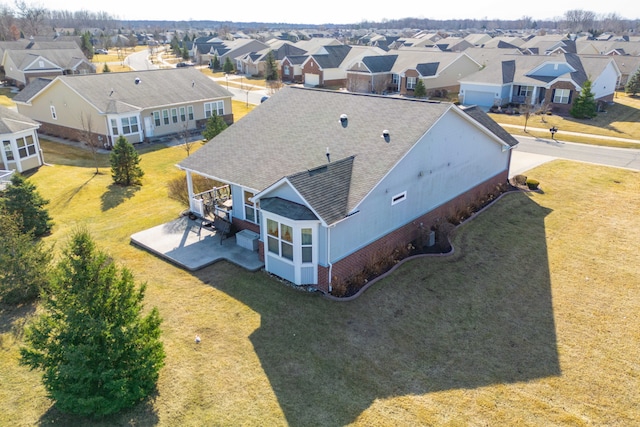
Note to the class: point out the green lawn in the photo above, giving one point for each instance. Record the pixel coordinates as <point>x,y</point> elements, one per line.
<point>621,120</point>
<point>533,320</point>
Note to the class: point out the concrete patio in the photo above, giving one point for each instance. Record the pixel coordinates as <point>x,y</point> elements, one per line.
<point>187,244</point>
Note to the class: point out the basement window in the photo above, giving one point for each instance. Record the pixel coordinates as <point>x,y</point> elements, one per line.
<point>399,198</point>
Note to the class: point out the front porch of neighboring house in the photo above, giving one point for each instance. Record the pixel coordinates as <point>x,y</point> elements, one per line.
<point>532,95</point>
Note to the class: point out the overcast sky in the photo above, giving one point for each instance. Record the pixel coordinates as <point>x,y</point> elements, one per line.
<point>340,11</point>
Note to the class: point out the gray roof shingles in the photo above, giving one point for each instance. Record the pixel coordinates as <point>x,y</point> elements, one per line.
<point>11,121</point>
<point>119,92</point>
<point>292,132</point>
<point>326,188</point>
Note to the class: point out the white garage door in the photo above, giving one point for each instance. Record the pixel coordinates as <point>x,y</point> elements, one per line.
<point>312,79</point>
<point>475,97</point>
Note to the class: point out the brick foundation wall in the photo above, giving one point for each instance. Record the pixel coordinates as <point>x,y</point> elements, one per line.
<point>354,263</point>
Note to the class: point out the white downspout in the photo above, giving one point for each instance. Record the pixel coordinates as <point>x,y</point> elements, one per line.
<point>329,257</point>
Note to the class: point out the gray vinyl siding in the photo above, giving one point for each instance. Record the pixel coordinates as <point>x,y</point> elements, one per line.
<point>450,163</point>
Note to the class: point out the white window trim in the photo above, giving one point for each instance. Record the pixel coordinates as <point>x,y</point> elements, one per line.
<point>130,125</point>
<point>560,99</point>
<point>34,145</point>
<point>254,207</point>
<point>210,107</point>
<point>411,82</point>
<point>54,116</point>
<point>400,197</point>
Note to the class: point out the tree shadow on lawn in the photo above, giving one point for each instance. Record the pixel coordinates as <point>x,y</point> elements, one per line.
<point>116,194</point>
<point>479,317</point>
<point>143,414</point>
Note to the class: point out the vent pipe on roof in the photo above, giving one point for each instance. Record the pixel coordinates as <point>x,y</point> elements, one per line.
<point>344,120</point>
<point>328,156</point>
<point>386,136</point>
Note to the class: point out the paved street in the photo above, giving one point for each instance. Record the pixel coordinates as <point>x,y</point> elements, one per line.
<point>531,152</point>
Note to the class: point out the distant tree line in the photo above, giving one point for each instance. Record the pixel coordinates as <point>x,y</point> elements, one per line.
<point>575,20</point>
<point>24,20</point>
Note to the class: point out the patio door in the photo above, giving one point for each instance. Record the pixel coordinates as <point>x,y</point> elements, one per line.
<point>148,127</point>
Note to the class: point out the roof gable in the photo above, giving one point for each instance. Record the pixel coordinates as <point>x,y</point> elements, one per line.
<point>326,188</point>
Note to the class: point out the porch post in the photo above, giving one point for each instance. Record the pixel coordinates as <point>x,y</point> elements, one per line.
<point>190,190</point>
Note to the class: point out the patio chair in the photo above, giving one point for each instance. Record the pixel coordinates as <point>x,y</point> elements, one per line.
<point>222,226</point>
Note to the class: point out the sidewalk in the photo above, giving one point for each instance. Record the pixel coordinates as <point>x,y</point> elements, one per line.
<point>585,135</point>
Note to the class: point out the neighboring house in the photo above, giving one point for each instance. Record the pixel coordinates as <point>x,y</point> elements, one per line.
<point>548,44</point>
<point>291,68</point>
<point>399,72</point>
<point>553,81</point>
<point>20,150</point>
<point>614,47</point>
<point>478,39</point>
<point>141,105</point>
<point>22,66</point>
<point>328,67</point>
<point>330,180</point>
<point>205,49</point>
<point>628,66</point>
<point>254,63</point>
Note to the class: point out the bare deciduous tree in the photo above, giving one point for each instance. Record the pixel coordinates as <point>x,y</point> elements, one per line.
<point>32,17</point>
<point>188,144</point>
<point>579,20</point>
<point>89,139</point>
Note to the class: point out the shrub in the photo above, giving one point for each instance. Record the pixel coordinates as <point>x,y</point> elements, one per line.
<point>520,179</point>
<point>532,184</point>
<point>177,187</point>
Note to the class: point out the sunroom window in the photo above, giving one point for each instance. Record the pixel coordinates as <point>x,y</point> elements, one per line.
<point>280,239</point>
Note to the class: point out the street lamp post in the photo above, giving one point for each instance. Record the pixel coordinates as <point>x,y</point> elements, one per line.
<point>226,76</point>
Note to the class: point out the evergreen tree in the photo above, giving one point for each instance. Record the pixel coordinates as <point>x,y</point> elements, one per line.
<point>420,91</point>
<point>271,67</point>
<point>22,199</point>
<point>633,85</point>
<point>106,68</point>
<point>97,352</point>
<point>125,161</point>
<point>228,66</point>
<point>215,65</point>
<point>585,105</point>
<point>215,125</point>
<point>175,46</point>
<point>86,46</point>
<point>24,262</point>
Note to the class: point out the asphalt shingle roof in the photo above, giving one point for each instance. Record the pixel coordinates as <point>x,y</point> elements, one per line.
<point>379,64</point>
<point>326,188</point>
<point>136,90</point>
<point>292,131</point>
<point>11,121</point>
<point>483,118</point>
